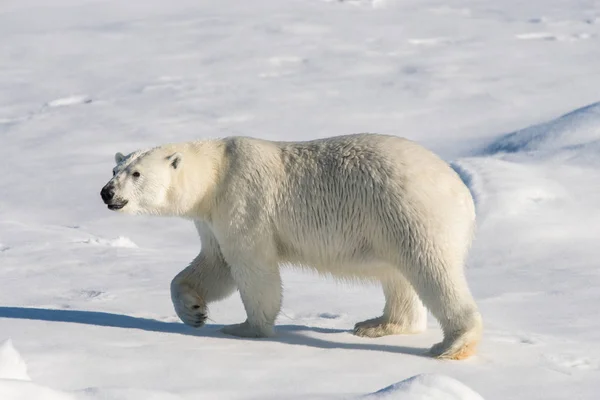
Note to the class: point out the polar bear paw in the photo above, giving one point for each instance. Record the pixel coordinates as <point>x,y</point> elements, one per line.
<point>189,306</point>
<point>246,330</point>
<point>454,351</point>
<point>380,326</point>
<point>459,345</point>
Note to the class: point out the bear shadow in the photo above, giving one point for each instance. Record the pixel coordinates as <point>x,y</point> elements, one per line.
<point>290,334</point>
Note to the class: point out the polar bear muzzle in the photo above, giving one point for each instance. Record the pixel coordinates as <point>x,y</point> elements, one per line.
<point>108,196</point>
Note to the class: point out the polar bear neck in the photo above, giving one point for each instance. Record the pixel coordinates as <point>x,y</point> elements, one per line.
<point>193,189</point>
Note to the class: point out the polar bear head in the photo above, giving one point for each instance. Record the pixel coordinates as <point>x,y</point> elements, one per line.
<point>144,182</point>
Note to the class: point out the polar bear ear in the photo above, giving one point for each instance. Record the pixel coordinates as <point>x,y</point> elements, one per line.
<point>175,160</point>
<point>119,157</point>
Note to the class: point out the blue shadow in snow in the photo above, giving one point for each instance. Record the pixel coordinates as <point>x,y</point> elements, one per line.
<point>290,334</point>
<point>468,180</point>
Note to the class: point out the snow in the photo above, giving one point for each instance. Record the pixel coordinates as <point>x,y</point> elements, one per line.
<point>574,130</point>
<point>427,387</point>
<point>12,366</point>
<point>14,381</point>
<point>120,241</point>
<point>16,384</point>
<point>15,390</point>
<point>69,101</point>
<point>507,92</point>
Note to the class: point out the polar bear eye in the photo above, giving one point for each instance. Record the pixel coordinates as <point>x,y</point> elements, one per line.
<point>136,174</point>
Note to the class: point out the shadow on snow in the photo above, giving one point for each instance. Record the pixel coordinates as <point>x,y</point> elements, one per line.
<point>290,334</point>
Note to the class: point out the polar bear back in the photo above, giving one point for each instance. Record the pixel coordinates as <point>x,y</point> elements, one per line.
<point>343,201</point>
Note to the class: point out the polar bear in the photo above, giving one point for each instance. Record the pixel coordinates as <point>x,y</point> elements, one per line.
<point>362,206</point>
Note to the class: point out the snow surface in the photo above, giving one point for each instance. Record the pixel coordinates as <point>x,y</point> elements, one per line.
<point>15,384</point>
<point>427,387</point>
<point>12,366</point>
<point>505,91</point>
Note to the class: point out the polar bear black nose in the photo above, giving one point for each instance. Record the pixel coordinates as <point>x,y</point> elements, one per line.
<point>107,193</point>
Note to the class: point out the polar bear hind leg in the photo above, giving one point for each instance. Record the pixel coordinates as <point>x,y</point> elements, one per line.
<point>404,312</point>
<point>444,291</point>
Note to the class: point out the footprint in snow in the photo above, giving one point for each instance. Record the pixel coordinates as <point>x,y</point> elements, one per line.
<point>74,297</point>
<point>516,339</point>
<point>566,363</point>
<point>91,294</point>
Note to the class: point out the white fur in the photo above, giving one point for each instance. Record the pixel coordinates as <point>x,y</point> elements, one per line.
<point>363,207</point>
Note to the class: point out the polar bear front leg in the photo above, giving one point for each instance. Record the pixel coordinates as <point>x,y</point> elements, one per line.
<point>404,313</point>
<point>207,279</point>
<point>260,290</point>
